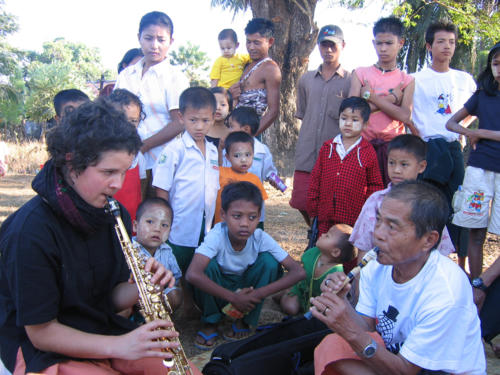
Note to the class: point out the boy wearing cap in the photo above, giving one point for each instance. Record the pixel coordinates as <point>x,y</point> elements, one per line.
<point>319,95</point>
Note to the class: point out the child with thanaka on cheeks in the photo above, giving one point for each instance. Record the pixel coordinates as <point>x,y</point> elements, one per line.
<point>346,172</point>
<point>237,255</point>
<point>405,161</point>
<point>239,152</point>
<point>219,129</point>
<point>332,249</point>
<point>153,223</point>
<point>227,69</point>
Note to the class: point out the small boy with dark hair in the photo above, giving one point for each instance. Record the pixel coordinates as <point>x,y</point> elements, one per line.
<point>388,90</point>
<point>346,172</point>
<point>259,86</point>
<point>227,69</point>
<point>66,101</point>
<point>237,255</point>
<point>179,168</point>
<point>246,119</point>
<point>239,152</point>
<point>332,249</point>
<point>152,227</point>
<point>406,160</point>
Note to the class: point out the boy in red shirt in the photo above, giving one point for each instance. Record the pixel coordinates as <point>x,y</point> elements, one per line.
<point>346,172</point>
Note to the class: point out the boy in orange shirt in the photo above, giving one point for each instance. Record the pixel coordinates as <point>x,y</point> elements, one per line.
<point>239,151</point>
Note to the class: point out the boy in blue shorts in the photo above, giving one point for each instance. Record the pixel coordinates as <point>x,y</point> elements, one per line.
<point>238,264</point>
<point>187,175</point>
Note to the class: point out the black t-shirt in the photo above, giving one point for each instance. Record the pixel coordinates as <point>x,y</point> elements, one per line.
<point>487,109</point>
<point>51,271</point>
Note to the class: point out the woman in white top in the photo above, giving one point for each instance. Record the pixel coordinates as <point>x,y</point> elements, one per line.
<point>157,84</point>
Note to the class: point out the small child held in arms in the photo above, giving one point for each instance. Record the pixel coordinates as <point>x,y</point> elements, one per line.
<point>224,106</point>
<point>481,184</point>
<point>187,175</point>
<point>130,194</point>
<point>332,249</point>
<point>153,223</point>
<point>239,151</point>
<point>237,255</point>
<point>388,90</point>
<point>346,172</point>
<point>227,69</point>
<point>247,120</point>
<point>406,160</point>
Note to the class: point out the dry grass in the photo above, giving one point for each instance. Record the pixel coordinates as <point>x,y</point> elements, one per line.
<point>25,157</point>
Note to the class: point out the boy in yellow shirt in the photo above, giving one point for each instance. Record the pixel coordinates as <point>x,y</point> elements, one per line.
<point>228,68</point>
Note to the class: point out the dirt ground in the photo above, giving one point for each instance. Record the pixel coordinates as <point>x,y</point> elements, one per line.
<point>282,222</point>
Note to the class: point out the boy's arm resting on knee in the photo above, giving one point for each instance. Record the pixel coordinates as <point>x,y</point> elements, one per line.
<point>196,276</point>
<point>295,274</point>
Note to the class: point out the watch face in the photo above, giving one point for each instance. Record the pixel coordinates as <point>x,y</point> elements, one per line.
<point>370,351</point>
<point>476,283</point>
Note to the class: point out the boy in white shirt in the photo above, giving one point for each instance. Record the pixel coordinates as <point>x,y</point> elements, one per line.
<point>440,91</point>
<point>238,264</point>
<point>187,175</point>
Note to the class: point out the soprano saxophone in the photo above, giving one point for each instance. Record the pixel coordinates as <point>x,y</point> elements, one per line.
<point>154,305</point>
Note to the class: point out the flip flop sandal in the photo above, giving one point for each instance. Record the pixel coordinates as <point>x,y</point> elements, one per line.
<point>236,330</point>
<point>206,337</point>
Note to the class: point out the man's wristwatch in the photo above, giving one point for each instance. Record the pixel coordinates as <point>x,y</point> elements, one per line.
<point>366,95</point>
<point>370,349</point>
<point>479,284</point>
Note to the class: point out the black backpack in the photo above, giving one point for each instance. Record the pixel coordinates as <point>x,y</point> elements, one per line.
<point>285,348</point>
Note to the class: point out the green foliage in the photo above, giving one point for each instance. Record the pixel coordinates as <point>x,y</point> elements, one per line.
<point>46,80</point>
<point>234,5</point>
<point>8,22</point>
<point>193,62</point>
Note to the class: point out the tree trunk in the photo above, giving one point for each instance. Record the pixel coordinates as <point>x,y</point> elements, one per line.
<point>295,34</point>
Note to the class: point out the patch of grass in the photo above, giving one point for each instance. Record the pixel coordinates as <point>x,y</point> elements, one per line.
<point>25,157</point>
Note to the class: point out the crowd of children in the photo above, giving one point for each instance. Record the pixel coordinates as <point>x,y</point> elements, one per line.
<point>195,190</point>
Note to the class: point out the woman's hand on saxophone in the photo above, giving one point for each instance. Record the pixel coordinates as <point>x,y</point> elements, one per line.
<point>161,276</point>
<point>145,341</point>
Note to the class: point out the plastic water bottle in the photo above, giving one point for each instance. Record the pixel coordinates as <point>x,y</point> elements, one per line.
<point>277,180</point>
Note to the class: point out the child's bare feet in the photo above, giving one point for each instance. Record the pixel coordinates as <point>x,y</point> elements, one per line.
<point>239,330</point>
<point>206,337</point>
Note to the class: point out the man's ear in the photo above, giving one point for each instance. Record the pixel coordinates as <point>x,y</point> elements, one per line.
<point>134,226</point>
<point>222,214</point>
<point>428,47</point>
<point>430,240</point>
<point>271,41</point>
<point>246,129</point>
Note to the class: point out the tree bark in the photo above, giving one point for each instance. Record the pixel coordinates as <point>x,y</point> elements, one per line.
<point>295,35</point>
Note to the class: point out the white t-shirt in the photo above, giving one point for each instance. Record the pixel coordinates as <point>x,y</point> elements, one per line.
<point>431,320</point>
<point>217,245</point>
<point>436,98</point>
<point>159,90</point>
<point>192,182</point>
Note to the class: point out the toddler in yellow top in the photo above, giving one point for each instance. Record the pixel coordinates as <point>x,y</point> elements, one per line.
<point>228,68</point>
<point>239,152</point>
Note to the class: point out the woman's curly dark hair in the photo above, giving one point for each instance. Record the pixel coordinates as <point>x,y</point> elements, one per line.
<point>91,129</point>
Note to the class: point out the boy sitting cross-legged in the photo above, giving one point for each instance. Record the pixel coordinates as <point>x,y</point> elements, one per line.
<point>236,255</point>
